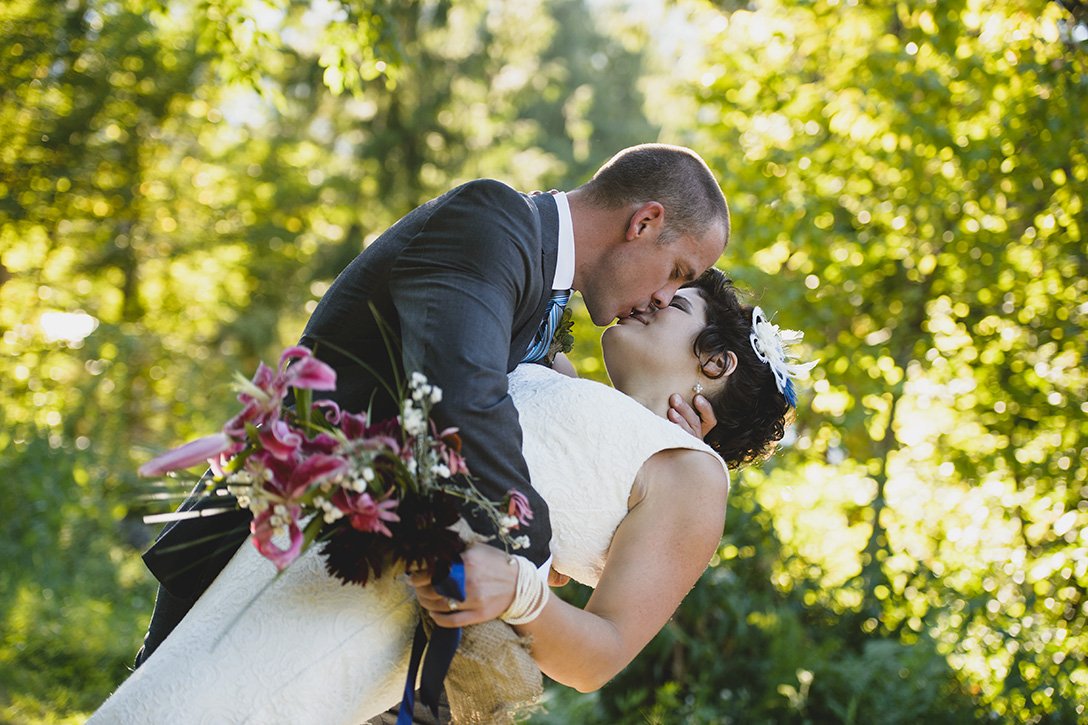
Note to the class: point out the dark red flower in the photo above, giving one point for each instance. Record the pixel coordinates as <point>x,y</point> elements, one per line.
<point>422,537</point>
<point>354,556</point>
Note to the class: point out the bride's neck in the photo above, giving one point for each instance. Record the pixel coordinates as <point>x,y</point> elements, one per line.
<point>652,397</point>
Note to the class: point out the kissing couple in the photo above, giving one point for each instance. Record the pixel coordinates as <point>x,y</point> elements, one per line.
<point>627,484</point>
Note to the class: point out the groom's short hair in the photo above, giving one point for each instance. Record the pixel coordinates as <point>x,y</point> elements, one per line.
<point>674,176</point>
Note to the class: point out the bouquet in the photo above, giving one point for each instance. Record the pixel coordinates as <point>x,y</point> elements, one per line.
<point>373,493</point>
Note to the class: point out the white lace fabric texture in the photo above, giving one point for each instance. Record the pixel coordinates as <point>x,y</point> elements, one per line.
<point>310,649</point>
<point>584,443</point>
<point>307,650</point>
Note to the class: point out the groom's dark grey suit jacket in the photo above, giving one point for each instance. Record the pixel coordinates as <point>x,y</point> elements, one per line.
<point>463,282</point>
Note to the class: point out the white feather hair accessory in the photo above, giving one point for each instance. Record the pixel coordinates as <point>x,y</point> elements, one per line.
<point>771,345</point>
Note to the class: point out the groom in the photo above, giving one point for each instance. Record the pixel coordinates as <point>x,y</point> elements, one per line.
<point>465,283</point>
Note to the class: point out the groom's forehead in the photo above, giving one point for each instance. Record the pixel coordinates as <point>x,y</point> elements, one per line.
<point>695,254</point>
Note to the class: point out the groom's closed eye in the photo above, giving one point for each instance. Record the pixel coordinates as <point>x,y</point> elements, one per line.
<point>683,274</point>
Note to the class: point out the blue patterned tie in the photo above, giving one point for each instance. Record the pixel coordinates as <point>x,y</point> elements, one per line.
<point>543,339</point>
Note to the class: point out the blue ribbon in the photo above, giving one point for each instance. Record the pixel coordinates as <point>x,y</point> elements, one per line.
<point>440,653</point>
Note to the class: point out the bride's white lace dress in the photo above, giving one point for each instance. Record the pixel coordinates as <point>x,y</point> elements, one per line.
<point>311,650</point>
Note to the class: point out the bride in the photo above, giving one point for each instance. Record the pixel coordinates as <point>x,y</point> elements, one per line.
<point>637,508</point>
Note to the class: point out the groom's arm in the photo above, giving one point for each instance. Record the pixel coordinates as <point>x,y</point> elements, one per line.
<point>461,286</point>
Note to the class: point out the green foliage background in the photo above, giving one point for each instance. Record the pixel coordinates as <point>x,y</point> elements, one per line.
<point>180,182</point>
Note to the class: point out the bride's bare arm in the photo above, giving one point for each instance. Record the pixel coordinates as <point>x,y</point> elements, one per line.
<point>657,554</point>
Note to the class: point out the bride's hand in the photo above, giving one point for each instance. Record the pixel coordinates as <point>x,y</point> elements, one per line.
<point>490,581</point>
<point>698,421</point>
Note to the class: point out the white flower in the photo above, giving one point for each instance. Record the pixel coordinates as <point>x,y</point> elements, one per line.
<point>772,346</point>
<point>508,522</point>
<point>436,394</point>
<point>414,422</point>
<point>368,474</point>
<point>418,380</point>
<point>441,470</point>
<point>522,542</point>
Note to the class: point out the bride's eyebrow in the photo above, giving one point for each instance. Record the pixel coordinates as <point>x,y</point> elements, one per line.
<point>683,302</point>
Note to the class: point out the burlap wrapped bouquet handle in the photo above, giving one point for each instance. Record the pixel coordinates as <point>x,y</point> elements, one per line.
<point>493,679</point>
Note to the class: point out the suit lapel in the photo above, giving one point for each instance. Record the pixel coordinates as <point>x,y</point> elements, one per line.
<point>548,229</point>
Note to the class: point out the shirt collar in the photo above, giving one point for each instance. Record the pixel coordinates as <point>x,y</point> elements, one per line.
<point>564,264</point>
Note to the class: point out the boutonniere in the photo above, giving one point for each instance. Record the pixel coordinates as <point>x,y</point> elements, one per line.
<point>563,339</point>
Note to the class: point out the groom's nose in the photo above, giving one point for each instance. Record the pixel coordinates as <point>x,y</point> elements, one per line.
<point>662,297</point>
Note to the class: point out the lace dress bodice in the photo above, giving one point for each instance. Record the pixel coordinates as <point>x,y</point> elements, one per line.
<point>584,443</point>
<point>307,649</point>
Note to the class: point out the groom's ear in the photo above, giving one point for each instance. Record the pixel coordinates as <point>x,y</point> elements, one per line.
<point>647,221</point>
<point>720,366</point>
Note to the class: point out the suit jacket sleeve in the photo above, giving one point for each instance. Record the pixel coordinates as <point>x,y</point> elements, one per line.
<point>460,286</point>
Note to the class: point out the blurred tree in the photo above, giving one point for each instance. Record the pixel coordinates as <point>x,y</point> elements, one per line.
<point>910,181</point>
<point>179,183</point>
<point>86,94</point>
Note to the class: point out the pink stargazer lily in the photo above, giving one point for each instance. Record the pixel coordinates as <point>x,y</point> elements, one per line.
<point>282,558</point>
<point>262,397</point>
<point>278,439</point>
<point>355,427</point>
<point>219,463</point>
<point>519,507</point>
<point>192,453</point>
<point>288,483</point>
<point>332,410</point>
<point>366,514</point>
<point>321,443</point>
<point>353,424</point>
<point>308,373</point>
<point>451,451</point>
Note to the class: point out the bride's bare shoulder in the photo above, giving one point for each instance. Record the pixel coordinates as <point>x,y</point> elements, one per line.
<point>692,478</point>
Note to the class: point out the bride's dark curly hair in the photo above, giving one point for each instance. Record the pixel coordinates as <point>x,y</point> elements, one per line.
<point>752,414</point>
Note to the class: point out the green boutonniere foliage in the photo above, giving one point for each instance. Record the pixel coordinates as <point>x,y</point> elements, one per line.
<point>563,339</point>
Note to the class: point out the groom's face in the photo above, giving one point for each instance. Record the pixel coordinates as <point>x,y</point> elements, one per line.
<point>643,273</point>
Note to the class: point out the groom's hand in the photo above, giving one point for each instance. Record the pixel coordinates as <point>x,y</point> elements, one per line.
<point>697,421</point>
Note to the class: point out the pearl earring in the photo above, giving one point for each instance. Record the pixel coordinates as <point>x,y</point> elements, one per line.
<point>697,388</point>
